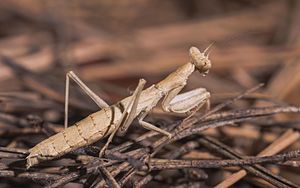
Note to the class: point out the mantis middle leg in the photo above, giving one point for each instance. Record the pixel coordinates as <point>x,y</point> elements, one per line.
<point>152,127</point>
<point>127,116</point>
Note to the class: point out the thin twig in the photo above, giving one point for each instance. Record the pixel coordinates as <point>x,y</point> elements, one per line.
<point>112,183</point>
<point>282,142</point>
<point>160,164</point>
<point>256,169</point>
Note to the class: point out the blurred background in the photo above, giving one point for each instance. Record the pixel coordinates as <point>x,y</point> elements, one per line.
<point>111,44</point>
<point>119,42</point>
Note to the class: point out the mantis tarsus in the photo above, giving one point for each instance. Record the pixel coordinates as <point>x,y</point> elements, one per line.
<point>118,117</point>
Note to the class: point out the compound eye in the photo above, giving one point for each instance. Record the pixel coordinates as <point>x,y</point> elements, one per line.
<point>200,60</point>
<point>196,56</point>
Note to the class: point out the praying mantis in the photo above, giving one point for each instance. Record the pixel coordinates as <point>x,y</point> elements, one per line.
<point>116,119</point>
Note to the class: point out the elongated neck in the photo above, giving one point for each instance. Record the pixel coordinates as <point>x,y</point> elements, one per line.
<point>177,78</point>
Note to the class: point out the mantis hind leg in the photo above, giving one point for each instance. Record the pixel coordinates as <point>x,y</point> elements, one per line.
<point>100,102</point>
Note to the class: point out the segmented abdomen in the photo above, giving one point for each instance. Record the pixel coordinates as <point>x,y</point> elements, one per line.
<point>82,133</point>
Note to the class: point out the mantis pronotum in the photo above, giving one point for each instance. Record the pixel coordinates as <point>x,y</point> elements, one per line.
<point>117,118</point>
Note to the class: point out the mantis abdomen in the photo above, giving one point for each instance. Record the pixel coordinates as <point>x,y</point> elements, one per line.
<point>85,132</point>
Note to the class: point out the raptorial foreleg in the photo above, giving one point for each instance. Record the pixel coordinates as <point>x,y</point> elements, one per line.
<point>190,101</point>
<point>186,102</point>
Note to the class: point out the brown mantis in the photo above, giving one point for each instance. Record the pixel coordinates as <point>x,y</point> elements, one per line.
<point>117,118</point>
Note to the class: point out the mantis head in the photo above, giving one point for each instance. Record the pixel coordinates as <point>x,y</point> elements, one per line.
<point>200,60</point>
